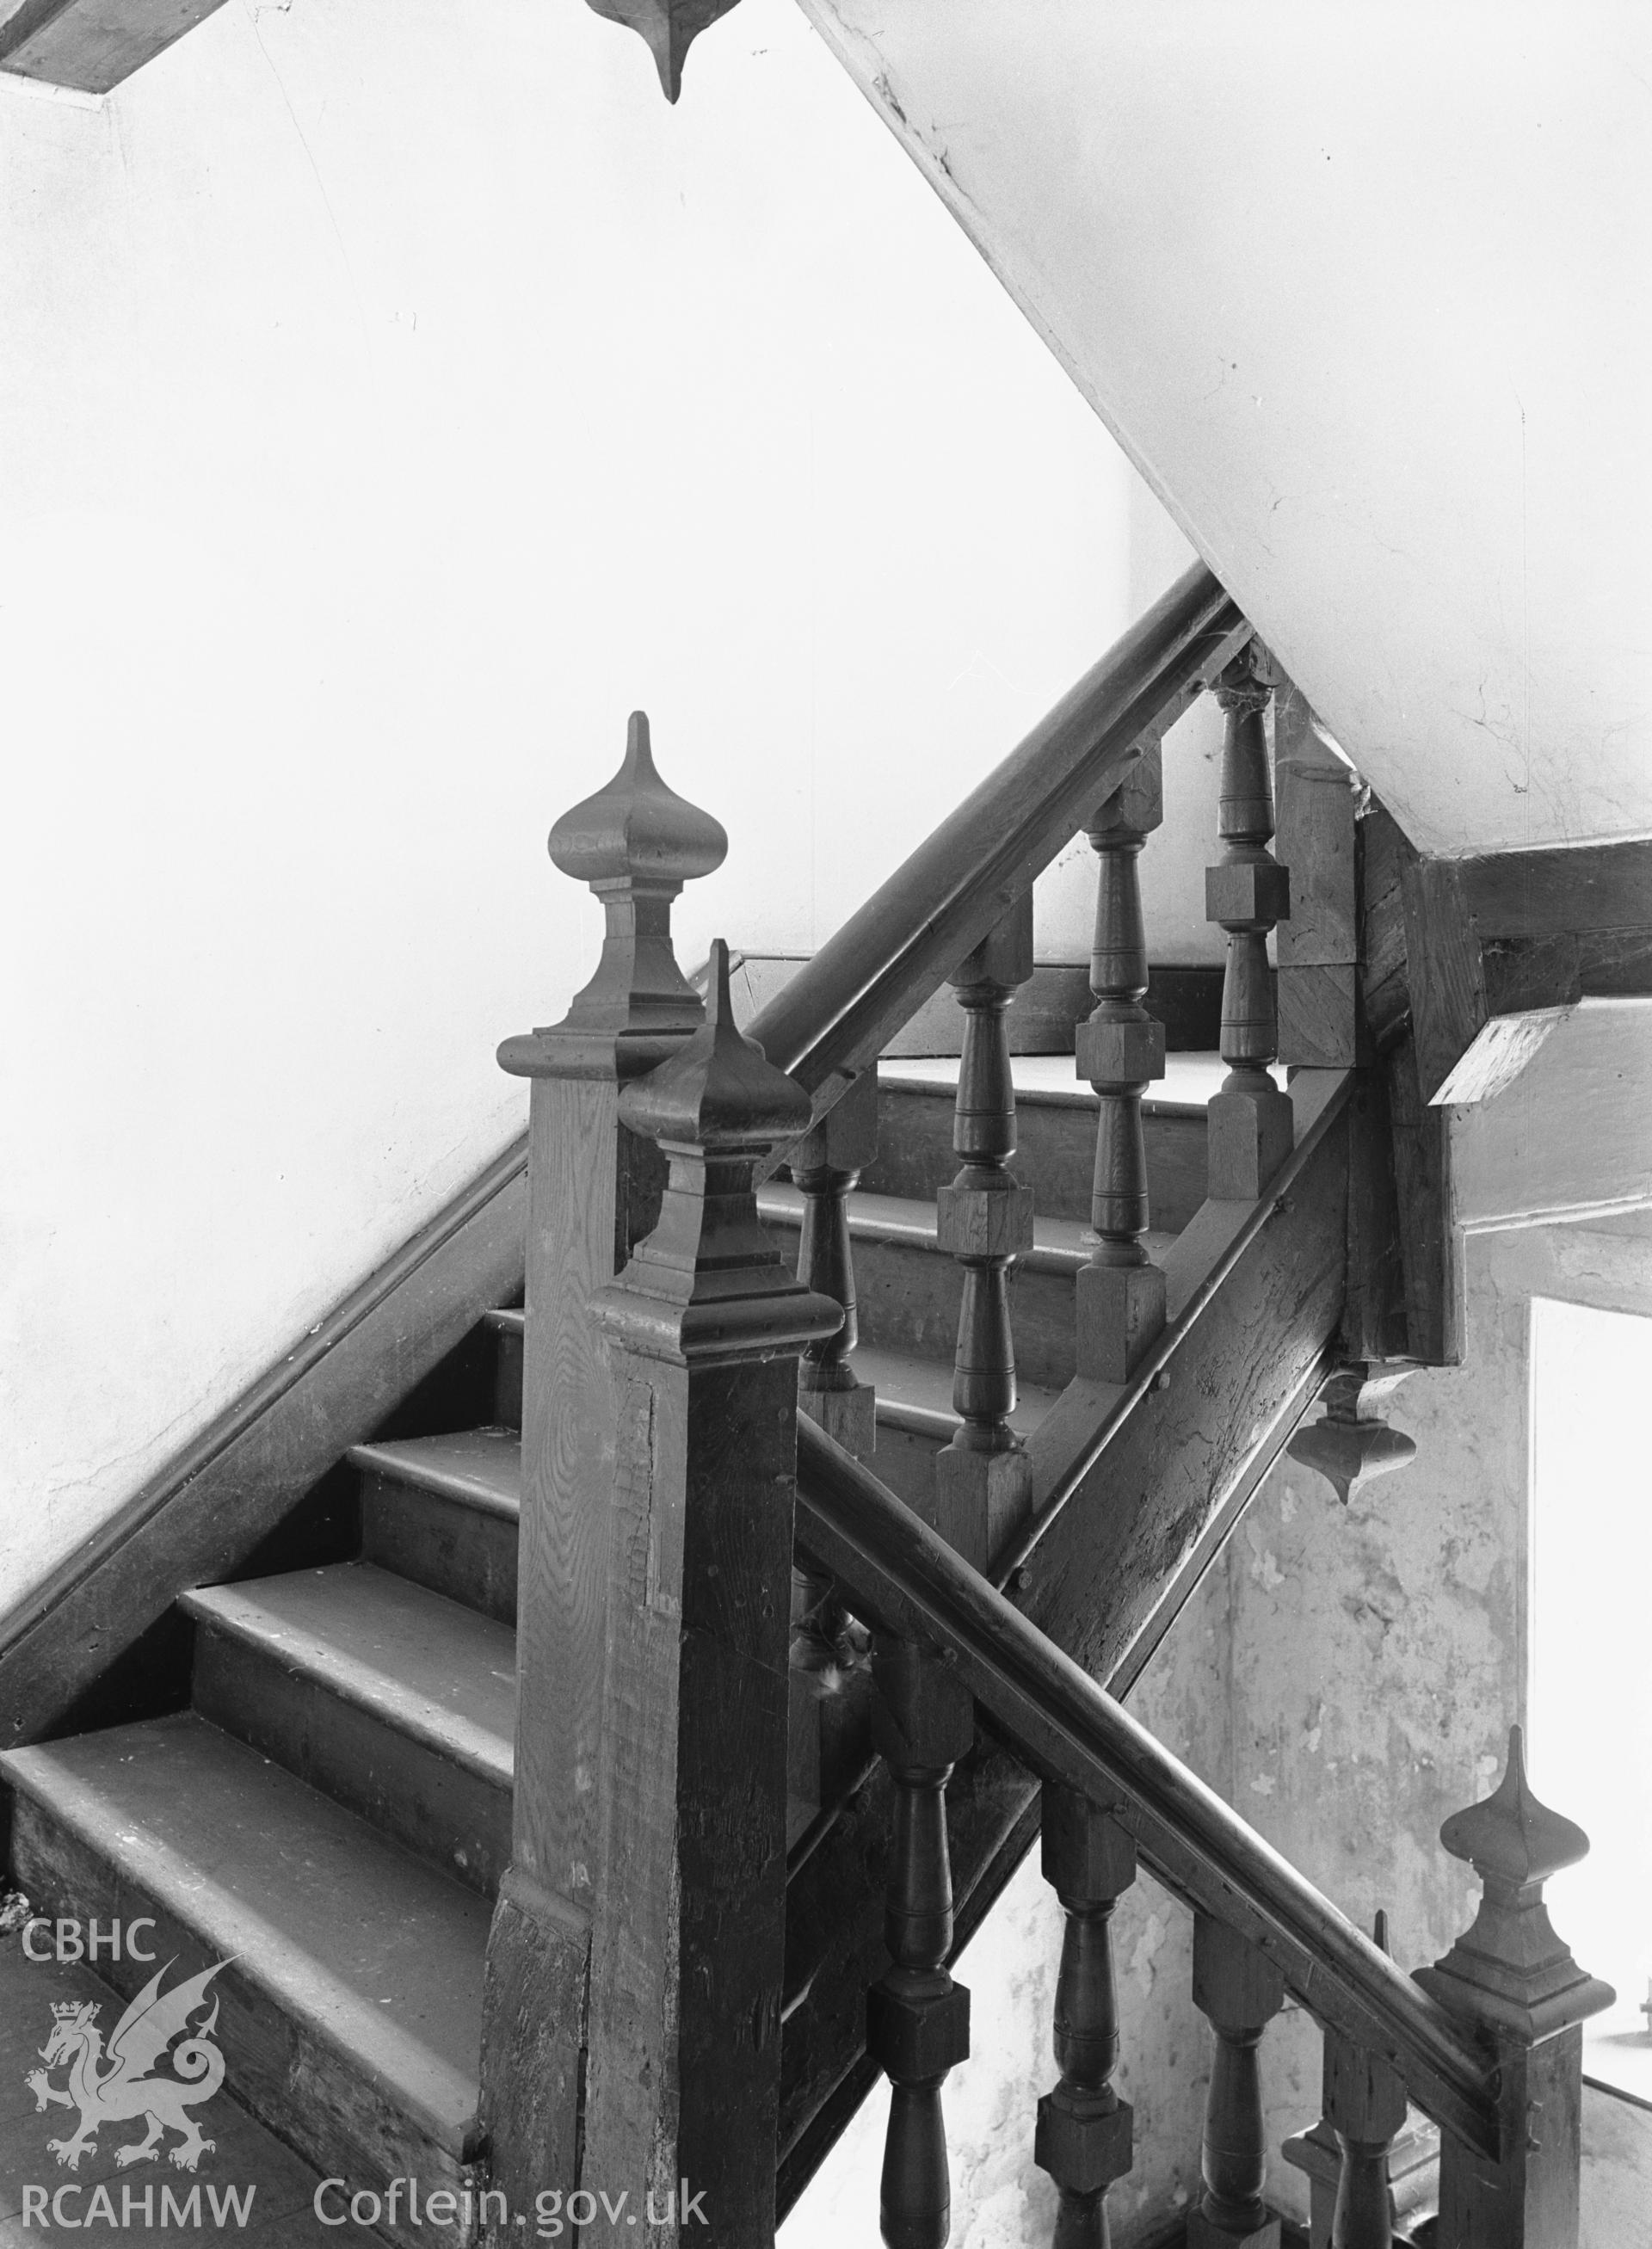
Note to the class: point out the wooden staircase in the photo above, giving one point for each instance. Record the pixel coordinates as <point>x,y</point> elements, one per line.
<point>332,1812</point>
<point>480,1763</point>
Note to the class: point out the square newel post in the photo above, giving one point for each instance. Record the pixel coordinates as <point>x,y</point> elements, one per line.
<point>1252,1125</point>
<point>705,1326</point>
<point>593,1187</point>
<point>1516,1982</point>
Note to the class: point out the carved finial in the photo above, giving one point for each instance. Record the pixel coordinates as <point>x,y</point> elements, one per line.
<point>1510,1969</point>
<point>635,842</point>
<point>1354,1445</point>
<point>719,1092</point>
<point>707,1284</point>
<point>1511,1838</point>
<point>669,26</point>
<point>636,830</point>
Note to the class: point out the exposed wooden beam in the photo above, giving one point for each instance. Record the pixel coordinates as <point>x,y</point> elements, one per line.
<point>92,45</point>
<point>1497,948</point>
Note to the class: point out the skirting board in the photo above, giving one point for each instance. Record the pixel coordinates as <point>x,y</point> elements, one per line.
<point>231,1485</point>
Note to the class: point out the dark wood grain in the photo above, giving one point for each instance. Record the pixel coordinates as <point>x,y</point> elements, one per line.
<point>903,1577</point>
<point>196,1522</point>
<point>93,45</point>
<point>1584,887</point>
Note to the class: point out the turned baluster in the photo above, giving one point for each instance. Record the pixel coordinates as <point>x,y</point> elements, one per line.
<point>1364,2105</point>
<point>1516,1982</point>
<point>1083,2135</point>
<point>983,1479</point>
<point>917,2017</point>
<point>825,1165</point>
<point>1239,1991</point>
<point>1251,1121</point>
<point>1120,1049</point>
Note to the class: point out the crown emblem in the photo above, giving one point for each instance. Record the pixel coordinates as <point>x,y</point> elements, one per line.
<point>69,2010</point>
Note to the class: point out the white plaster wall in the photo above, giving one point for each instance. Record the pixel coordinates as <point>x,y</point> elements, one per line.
<point>1363,291</point>
<point>389,405</point>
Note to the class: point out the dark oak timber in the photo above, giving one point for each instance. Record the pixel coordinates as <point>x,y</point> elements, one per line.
<point>594,1187</point>
<point>705,1326</point>
<point>905,1578</point>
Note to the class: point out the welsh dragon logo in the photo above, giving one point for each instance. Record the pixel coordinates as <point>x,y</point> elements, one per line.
<point>111,2088</point>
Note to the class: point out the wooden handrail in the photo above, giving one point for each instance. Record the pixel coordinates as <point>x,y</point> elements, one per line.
<point>838,1013</point>
<point>900,1576</point>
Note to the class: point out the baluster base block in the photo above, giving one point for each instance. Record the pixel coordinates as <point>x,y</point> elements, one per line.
<point>1253,1129</point>
<point>1120,1315</point>
<point>980,1498</point>
<point>1084,2147</point>
<point>848,1416</point>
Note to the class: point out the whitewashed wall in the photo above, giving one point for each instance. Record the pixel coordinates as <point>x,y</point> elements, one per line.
<point>392,397</point>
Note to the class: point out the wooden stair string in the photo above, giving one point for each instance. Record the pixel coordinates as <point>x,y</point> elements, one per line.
<point>983,1478</point>
<point>1120,1298</point>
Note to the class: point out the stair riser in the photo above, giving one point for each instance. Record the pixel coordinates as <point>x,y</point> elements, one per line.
<point>279,2069</point>
<point>908,1296</point>
<point>463,1551</point>
<point>1057,1155</point>
<point>455,1819</point>
<point>508,1378</point>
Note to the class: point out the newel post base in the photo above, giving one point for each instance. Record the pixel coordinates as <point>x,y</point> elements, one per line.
<point>705,1327</point>
<point>594,1187</point>
<point>1515,1980</point>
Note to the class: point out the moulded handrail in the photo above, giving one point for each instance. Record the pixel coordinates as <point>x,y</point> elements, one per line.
<point>840,1011</point>
<point>903,1577</point>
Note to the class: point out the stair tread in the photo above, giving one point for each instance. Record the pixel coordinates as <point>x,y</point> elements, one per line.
<point>379,1953</point>
<point>481,1466</point>
<point>916,1393</point>
<point>441,1673</point>
<point>1059,1244</point>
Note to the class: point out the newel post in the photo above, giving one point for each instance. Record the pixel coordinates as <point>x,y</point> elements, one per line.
<point>1516,1982</point>
<point>705,1327</point>
<point>593,1188</point>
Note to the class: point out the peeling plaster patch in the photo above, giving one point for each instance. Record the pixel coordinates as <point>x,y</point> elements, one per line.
<point>1287,1504</point>
<point>1148,1946</point>
<point>1263,1784</point>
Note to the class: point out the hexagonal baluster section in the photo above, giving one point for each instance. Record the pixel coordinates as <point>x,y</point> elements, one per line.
<point>917,2017</point>
<point>1516,1982</point>
<point>1120,1300</point>
<point>1084,2137</point>
<point>983,1479</point>
<point>1252,1125</point>
<point>1239,1993</point>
